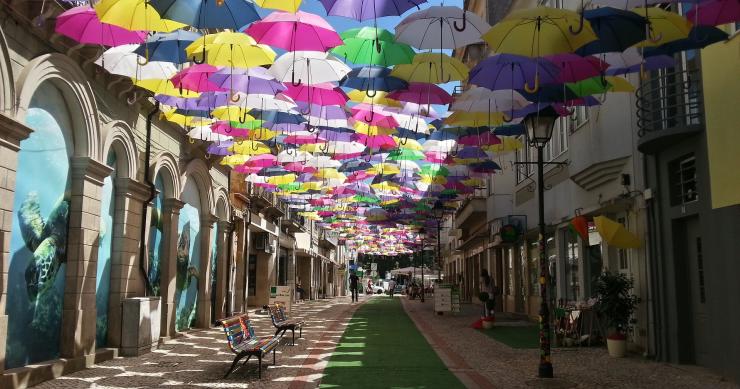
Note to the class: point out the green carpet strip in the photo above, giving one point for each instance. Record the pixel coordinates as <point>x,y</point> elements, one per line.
<point>382,348</point>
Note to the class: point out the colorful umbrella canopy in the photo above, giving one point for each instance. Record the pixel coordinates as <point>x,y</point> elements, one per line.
<point>283,5</point>
<point>715,12</point>
<point>308,67</point>
<point>295,31</point>
<point>422,93</point>
<point>134,15</point>
<point>234,49</point>
<point>83,25</point>
<point>663,26</point>
<point>368,9</point>
<point>432,68</point>
<point>373,78</point>
<point>168,47</point>
<point>616,30</point>
<point>123,61</point>
<point>220,14</point>
<point>440,27</point>
<point>373,46</point>
<point>507,71</point>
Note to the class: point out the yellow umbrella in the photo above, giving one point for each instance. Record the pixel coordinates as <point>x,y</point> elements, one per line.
<point>411,144</point>
<point>535,32</point>
<point>619,84</point>
<point>164,87</point>
<point>663,26</point>
<point>281,180</point>
<point>311,185</point>
<point>283,5</point>
<point>312,147</point>
<point>384,168</point>
<point>186,121</point>
<point>615,234</point>
<point>360,96</point>
<point>134,15</point>
<point>474,119</point>
<point>262,134</point>
<point>328,173</point>
<point>433,68</point>
<point>385,186</point>
<point>231,113</point>
<point>234,160</point>
<point>364,128</point>
<point>249,147</point>
<point>234,49</point>
<point>507,144</point>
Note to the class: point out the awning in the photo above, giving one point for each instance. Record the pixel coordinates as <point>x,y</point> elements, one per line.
<point>615,234</point>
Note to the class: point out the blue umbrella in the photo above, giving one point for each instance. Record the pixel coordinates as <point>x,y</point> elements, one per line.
<point>354,165</point>
<point>699,37</point>
<point>373,78</point>
<point>442,135</point>
<point>168,47</point>
<point>405,133</point>
<point>509,130</point>
<point>220,14</point>
<point>616,29</point>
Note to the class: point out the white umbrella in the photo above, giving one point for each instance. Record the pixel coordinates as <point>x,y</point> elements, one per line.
<point>121,60</point>
<point>439,146</point>
<point>308,68</point>
<point>338,147</point>
<point>291,156</point>
<point>323,161</point>
<point>480,99</point>
<point>279,102</point>
<point>441,27</point>
<point>411,122</point>
<point>205,133</point>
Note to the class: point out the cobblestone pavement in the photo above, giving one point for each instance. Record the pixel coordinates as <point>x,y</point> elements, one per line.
<point>468,352</point>
<point>200,358</point>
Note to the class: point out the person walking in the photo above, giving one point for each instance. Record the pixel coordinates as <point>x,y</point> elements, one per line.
<point>392,286</point>
<point>353,285</point>
<point>486,285</point>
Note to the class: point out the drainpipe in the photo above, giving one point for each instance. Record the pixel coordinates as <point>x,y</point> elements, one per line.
<point>245,251</point>
<point>152,194</point>
<point>229,253</point>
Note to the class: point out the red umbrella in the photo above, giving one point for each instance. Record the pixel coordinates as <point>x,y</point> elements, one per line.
<point>422,93</point>
<point>319,94</point>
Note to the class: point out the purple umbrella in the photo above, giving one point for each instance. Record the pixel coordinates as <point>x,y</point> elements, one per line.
<point>221,148</point>
<point>471,152</point>
<point>508,71</point>
<point>574,68</point>
<point>208,100</point>
<point>250,81</point>
<point>368,9</point>
<point>330,135</point>
<point>649,63</point>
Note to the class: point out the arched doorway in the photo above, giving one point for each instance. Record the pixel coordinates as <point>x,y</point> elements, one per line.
<point>105,251</point>
<point>36,272</point>
<point>188,257</point>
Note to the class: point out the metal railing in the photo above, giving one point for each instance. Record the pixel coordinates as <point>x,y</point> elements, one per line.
<point>669,100</point>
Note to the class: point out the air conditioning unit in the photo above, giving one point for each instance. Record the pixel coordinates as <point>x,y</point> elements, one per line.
<point>269,249</point>
<point>261,241</point>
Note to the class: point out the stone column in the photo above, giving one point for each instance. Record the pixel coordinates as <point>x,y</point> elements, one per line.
<point>168,264</point>
<point>126,279</point>
<point>222,263</point>
<point>203,312</point>
<point>11,135</point>
<point>78,311</point>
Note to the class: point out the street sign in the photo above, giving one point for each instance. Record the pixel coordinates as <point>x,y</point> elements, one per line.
<point>374,266</point>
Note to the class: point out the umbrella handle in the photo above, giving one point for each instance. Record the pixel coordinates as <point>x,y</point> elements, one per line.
<point>288,150</point>
<point>235,97</point>
<point>292,79</point>
<point>464,22</point>
<point>367,92</point>
<point>372,115</point>
<point>310,128</point>
<point>243,117</point>
<point>507,119</point>
<point>378,46</point>
<point>254,146</point>
<point>191,140</point>
<point>404,141</point>
<point>132,100</point>
<point>146,59</point>
<point>604,82</point>
<point>208,155</point>
<point>536,87</point>
<point>203,60</point>
<point>324,149</point>
<point>578,30</point>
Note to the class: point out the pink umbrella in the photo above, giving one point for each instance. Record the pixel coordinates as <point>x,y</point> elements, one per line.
<point>485,139</point>
<point>422,93</point>
<point>302,139</point>
<point>374,118</point>
<point>435,157</point>
<point>245,169</point>
<point>377,141</point>
<point>195,78</point>
<point>715,12</point>
<point>262,160</point>
<point>295,31</point>
<point>574,68</point>
<point>298,167</point>
<point>319,94</point>
<point>225,128</point>
<point>83,25</point>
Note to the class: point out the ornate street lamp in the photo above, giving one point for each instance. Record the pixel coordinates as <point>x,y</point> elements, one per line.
<point>539,127</point>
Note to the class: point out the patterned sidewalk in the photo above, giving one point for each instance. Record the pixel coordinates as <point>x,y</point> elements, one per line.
<point>200,358</point>
<point>482,362</point>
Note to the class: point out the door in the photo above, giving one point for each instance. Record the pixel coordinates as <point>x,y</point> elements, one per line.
<point>696,265</point>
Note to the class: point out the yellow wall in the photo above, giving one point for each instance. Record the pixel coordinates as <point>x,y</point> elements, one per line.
<point>721,77</point>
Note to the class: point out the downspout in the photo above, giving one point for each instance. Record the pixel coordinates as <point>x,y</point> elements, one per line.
<point>148,291</point>
<point>247,244</point>
<point>229,252</point>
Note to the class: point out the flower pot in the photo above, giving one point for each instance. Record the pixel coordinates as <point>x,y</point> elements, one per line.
<point>487,323</point>
<point>617,347</point>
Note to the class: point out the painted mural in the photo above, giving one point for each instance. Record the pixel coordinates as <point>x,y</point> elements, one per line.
<point>188,258</point>
<point>156,231</point>
<point>39,233</point>
<point>105,240</point>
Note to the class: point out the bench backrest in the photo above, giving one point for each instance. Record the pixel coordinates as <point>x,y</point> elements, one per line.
<point>277,313</point>
<point>238,329</point>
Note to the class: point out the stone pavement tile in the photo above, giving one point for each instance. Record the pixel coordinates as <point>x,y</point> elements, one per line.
<point>505,367</point>
<point>200,358</point>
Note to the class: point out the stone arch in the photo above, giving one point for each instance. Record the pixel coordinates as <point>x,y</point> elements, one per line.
<point>7,90</point>
<point>120,139</point>
<point>197,170</point>
<point>222,211</point>
<point>72,82</point>
<point>166,164</point>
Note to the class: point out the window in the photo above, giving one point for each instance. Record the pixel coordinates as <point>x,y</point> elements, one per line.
<point>572,261</point>
<point>252,289</point>
<point>283,267</point>
<point>682,180</point>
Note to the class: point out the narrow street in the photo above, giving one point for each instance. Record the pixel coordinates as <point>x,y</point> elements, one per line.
<point>381,343</point>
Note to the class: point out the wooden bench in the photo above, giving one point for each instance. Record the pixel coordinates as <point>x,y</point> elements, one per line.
<point>283,323</point>
<point>243,342</point>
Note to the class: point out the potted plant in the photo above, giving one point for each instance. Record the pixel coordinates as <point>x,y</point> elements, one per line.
<point>487,318</point>
<point>615,303</point>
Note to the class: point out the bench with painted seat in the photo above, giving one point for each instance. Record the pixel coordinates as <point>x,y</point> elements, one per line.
<point>244,343</point>
<point>283,323</point>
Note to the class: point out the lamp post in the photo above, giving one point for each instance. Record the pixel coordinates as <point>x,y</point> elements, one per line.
<point>439,213</point>
<point>539,127</point>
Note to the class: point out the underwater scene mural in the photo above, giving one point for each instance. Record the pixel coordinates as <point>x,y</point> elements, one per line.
<point>105,240</point>
<point>188,258</point>
<point>214,256</point>
<point>39,233</point>
<point>156,231</point>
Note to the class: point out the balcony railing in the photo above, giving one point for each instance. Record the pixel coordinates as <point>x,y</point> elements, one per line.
<point>669,107</point>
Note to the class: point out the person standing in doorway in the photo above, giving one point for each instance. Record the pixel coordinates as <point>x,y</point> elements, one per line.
<point>353,285</point>
<point>486,285</point>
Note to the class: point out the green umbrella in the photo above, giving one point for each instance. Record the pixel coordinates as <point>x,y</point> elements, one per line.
<point>405,155</point>
<point>290,186</point>
<point>589,86</point>
<point>434,170</point>
<point>366,199</point>
<point>373,46</point>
